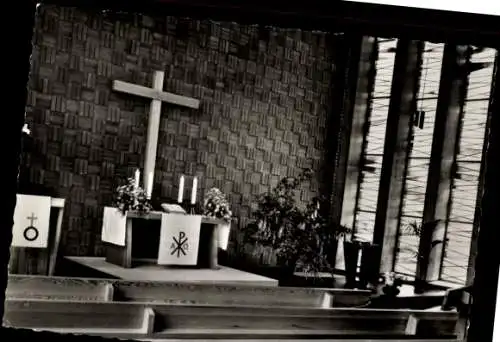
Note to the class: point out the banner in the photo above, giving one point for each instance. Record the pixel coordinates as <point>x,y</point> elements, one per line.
<point>179,239</point>
<point>31,221</point>
<point>114,226</point>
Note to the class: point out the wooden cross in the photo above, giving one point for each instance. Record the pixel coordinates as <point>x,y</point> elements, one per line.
<point>157,96</point>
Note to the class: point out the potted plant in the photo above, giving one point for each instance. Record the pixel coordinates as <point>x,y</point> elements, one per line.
<point>216,205</point>
<point>425,232</point>
<point>386,290</point>
<point>131,197</point>
<point>276,222</point>
<point>300,236</point>
<point>391,284</point>
<point>318,239</point>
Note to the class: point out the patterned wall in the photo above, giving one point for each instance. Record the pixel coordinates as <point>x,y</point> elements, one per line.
<point>265,98</point>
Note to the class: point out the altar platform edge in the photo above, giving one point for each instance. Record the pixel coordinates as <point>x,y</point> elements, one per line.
<point>98,267</point>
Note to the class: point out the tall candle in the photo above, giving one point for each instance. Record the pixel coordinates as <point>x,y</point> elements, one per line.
<point>193,192</point>
<point>149,189</point>
<point>181,190</point>
<point>137,175</point>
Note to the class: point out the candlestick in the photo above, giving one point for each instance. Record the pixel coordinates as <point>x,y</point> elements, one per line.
<point>149,189</point>
<point>192,210</point>
<point>26,130</point>
<point>136,181</point>
<point>193,192</point>
<point>181,190</point>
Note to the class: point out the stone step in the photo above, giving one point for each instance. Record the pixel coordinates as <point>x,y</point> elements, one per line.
<point>63,288</point>
<point>206,321</point>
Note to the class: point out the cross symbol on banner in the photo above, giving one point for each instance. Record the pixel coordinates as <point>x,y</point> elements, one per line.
<point>32,218</point>
<point>31,233</point>
<point>180,245</point>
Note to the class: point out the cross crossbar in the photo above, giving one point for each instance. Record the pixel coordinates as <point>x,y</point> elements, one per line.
<point>155,94</point>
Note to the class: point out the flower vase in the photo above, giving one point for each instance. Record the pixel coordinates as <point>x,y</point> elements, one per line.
<point>223,231</point>
<point>351,256</point>
<point>369,271</point>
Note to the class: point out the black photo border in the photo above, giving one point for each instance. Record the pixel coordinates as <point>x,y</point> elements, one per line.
<point>376,20</point>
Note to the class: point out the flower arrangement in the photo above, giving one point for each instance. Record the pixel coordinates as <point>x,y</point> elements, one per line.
<point>132,197</point>
<point>215,204</point>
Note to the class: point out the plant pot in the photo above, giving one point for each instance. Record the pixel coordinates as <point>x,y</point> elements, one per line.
<point>339,261</point>
<point>420,286</point>
<point>351,252</point>
<point>370,255</point>
<point>286,270</point>
<point>286,274</point>
<point>369,270</point>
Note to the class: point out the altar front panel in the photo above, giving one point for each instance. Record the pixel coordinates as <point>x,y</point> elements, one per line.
<point>179,239</point>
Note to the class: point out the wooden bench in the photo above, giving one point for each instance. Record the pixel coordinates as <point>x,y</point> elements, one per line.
<point>61,288</point>
<point>138,320</point>
<point>350,339</point>
<point>459,298</point>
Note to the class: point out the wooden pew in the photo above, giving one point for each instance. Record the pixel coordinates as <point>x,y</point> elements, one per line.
<point>403,339</point>
<point>350,339</point>
<point>38,287</point>
<point>461,300</point>
<point>339,339</point>
<point>162,321</point>
<point>457,298</point>
<point>55,336</point>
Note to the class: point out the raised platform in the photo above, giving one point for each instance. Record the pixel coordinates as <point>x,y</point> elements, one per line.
<point>152,272</point>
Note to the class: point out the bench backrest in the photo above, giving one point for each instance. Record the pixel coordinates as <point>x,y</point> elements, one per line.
<point>180,321</point>
<point>62,288</point>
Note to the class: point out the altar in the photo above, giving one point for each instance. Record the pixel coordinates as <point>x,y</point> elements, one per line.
<point>122,254</point>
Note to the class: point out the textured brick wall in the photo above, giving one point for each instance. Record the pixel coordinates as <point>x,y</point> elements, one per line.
<point>264,105</point>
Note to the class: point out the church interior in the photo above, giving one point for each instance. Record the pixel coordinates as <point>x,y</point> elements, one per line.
<point>185,178</point>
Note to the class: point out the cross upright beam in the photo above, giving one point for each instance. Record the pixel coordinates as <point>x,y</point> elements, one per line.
<point>157,96</point>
